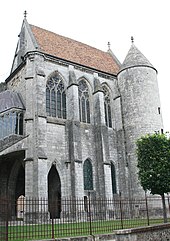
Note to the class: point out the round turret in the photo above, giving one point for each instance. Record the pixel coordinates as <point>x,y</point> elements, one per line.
<point>140,103</point>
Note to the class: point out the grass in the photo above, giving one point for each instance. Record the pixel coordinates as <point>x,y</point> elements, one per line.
<point>45,231</point>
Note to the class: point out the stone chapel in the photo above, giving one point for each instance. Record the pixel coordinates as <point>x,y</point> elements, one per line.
<point>70,115</point>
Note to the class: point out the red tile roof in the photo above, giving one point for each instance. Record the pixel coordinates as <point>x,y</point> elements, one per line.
<point>74,51</point>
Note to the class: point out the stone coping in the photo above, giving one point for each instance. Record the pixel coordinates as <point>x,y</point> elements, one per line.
<point>143,229</point>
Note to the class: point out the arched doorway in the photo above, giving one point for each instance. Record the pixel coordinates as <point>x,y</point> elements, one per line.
<point>16,186</point>
<point>54,193</point>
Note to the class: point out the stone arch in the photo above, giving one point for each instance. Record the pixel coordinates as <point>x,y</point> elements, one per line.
<point>54,193</point>
<point>56,72</point>
<point>107,86</point>
<point>90,87</point>
<point>16,184</point>
<point>13,178</point>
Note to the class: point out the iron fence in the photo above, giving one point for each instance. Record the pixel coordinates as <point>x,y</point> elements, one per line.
<point>33,218</point>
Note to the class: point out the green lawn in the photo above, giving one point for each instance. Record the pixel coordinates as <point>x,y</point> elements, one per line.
<point>44,231</point>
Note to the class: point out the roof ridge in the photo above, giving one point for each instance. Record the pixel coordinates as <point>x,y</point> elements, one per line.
<point>106,52</point>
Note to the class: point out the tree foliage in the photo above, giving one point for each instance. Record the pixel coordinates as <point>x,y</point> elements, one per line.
<point>153,152</point>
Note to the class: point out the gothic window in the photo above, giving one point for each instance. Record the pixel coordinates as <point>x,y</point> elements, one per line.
<point>11,123</point>
<point>113,177</point>
<point>84,104</point>
<point>88,175</point>
<point>107,107</point>
<point>55,97</point>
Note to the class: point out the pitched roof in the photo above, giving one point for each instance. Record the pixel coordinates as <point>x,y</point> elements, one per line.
<point>10,99</point>
<point>74,51</point>
<point>135,58</point>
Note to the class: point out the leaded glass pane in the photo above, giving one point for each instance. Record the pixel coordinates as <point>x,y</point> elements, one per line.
<point>88,111</point>
<point>53,103</point>
<point>83,110</point>
<point>113,176</point>
<point>16,124</point>
<point>64,104</point>
<point>88,175</point>
<point>10,123</point>
<point>21,124</point>
<point>109,116</point>
<point>80,109</point>
<point>105,109</point>
<point>48,101</point>
<point>59,103</point>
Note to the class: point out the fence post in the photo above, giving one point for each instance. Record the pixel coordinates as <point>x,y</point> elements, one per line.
<point>147,211</point>
<point>52,218</point>
<point>6,225</point>
<point>90,213</point>
<point>121,211</point>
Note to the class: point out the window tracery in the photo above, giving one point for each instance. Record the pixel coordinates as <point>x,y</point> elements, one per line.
<point>84,103</point>
<point>55,97</point>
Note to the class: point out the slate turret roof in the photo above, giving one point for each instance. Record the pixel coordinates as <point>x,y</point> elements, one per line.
<point>74,51</point>
<point>135,58</point>
<point>9,100</point>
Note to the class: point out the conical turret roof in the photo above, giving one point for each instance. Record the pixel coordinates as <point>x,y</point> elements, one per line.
<point>135,58</point>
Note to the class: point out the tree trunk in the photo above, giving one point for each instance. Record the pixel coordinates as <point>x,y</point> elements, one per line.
<point>164,208</point>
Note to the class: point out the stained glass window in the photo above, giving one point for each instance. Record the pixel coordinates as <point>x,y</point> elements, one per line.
<point>84,104</point>
<point>113,176</point>
<point>55,97</point>
<point>107,107</point>
<point>88,175</point>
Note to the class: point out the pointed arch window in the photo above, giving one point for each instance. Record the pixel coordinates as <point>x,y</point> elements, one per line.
<point>113,177</point>
<point>107,107</point>
<point>55,97</point>
<point>84,104</point>
<point>88,175</point>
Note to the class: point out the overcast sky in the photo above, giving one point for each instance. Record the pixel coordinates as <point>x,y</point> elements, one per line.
<point>95,22</point>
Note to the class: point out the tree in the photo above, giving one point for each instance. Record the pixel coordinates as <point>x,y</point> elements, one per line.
<point>153,152</point>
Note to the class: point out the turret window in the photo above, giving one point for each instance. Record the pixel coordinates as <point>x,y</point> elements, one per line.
<point>11,123</point>
<point>84,104</point>
<point>55,98</point>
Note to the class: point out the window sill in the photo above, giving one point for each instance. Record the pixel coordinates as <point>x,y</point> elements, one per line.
<point>55,120</point>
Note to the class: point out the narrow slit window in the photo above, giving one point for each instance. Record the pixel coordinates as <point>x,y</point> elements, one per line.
<point>88,175</point>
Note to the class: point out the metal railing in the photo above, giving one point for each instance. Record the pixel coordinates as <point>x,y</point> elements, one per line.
<point>33,218</point>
